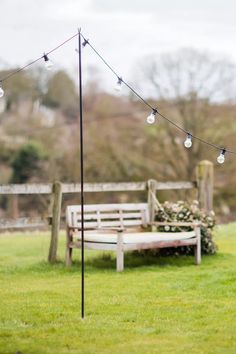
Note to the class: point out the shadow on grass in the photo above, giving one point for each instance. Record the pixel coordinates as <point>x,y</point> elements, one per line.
<point>107,262</point>
<point>131,261</point>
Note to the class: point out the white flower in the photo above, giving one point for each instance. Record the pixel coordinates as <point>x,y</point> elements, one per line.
<point>175,208</point>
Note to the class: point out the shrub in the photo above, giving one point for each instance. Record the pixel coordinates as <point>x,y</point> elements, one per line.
<point>26,161</point>
<point>183,211</point>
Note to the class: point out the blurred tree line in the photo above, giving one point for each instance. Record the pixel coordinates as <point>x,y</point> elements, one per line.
<point>39,125</point>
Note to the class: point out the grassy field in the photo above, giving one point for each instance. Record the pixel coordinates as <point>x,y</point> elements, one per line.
<point>155,306</point>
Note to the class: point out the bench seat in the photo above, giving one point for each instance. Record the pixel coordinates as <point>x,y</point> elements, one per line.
<point>138,237</point>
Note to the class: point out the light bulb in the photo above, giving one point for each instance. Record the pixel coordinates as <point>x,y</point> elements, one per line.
<point>152,117</point>
<point>48,63</point>
<point>221,157</point>
<point>1,91</point>
<point>118,86</point>
<point>188,142</point>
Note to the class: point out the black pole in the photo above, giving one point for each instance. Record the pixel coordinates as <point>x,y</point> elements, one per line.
<point>81,174</point>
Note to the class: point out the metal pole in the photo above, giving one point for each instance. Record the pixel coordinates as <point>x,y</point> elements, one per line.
<point>81,174</point>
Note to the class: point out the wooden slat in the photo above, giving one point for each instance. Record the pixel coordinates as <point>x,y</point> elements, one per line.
<point>91,187</point>
<point>99,219</point>
<point>107,224</point>
<point>105,216</point>
<point>122,214</point>
<point>176,223</point>
<point>159,244</point>
<point>175,185</point>
<point>104,187</point>
<point>116,207</point>
<point>73,220</point>
<point>26,188</point>
<point>135,246</point>
<point>95,246</point>
<point>22,223</point>
<point>109,207</point>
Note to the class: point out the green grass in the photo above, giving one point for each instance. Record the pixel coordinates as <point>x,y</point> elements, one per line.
<point>166,305</point>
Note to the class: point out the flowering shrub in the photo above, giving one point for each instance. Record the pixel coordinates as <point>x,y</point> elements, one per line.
<point>185,212</point>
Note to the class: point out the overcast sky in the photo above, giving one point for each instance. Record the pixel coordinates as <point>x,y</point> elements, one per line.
<point>124,31</point>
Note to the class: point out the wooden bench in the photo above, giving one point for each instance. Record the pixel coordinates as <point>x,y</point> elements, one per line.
<point>120,228</point>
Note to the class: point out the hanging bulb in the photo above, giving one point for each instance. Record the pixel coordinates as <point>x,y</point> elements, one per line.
<point>221,157</point>
<point>152,117</point>
<point>85,42</point>
<point>118,86</point>
<point>188,142</point>
<point>1,91</point>
<point>48,62</point>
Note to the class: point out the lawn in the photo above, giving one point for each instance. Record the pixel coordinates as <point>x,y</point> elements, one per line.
<point>166,305</point>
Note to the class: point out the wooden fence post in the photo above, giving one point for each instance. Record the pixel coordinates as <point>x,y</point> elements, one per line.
<point>56,217</point>
<point>205,182</point>
<point>13,207</point>
<point>151,184</point>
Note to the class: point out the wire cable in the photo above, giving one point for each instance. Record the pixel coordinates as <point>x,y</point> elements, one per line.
<point>87,42</point>
<point>14,72</point>
<point>217,147</point>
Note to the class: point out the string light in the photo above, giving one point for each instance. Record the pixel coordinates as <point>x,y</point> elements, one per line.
<point>1,90</point>
<point>85,42</point>
<point>188,142</point>
<point>16,71</point>
<point>221,157</point>
<point>118,85</point>
<point>48,62</point>
<point>152,117</point>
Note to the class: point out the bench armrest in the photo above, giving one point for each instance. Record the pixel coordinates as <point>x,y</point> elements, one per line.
<point>176,223</point>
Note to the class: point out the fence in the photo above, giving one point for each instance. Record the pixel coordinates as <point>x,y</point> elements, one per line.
<point>203,185</point>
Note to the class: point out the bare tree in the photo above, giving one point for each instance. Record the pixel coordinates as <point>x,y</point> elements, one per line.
<point>189,86</point>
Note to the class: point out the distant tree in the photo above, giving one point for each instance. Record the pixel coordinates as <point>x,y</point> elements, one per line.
<point>26,162</point>
<point>61,91</point>
<point>18,86</point>
<point>189,85</point>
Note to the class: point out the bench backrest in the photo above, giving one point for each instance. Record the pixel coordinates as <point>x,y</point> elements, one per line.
<point>108,215</point>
